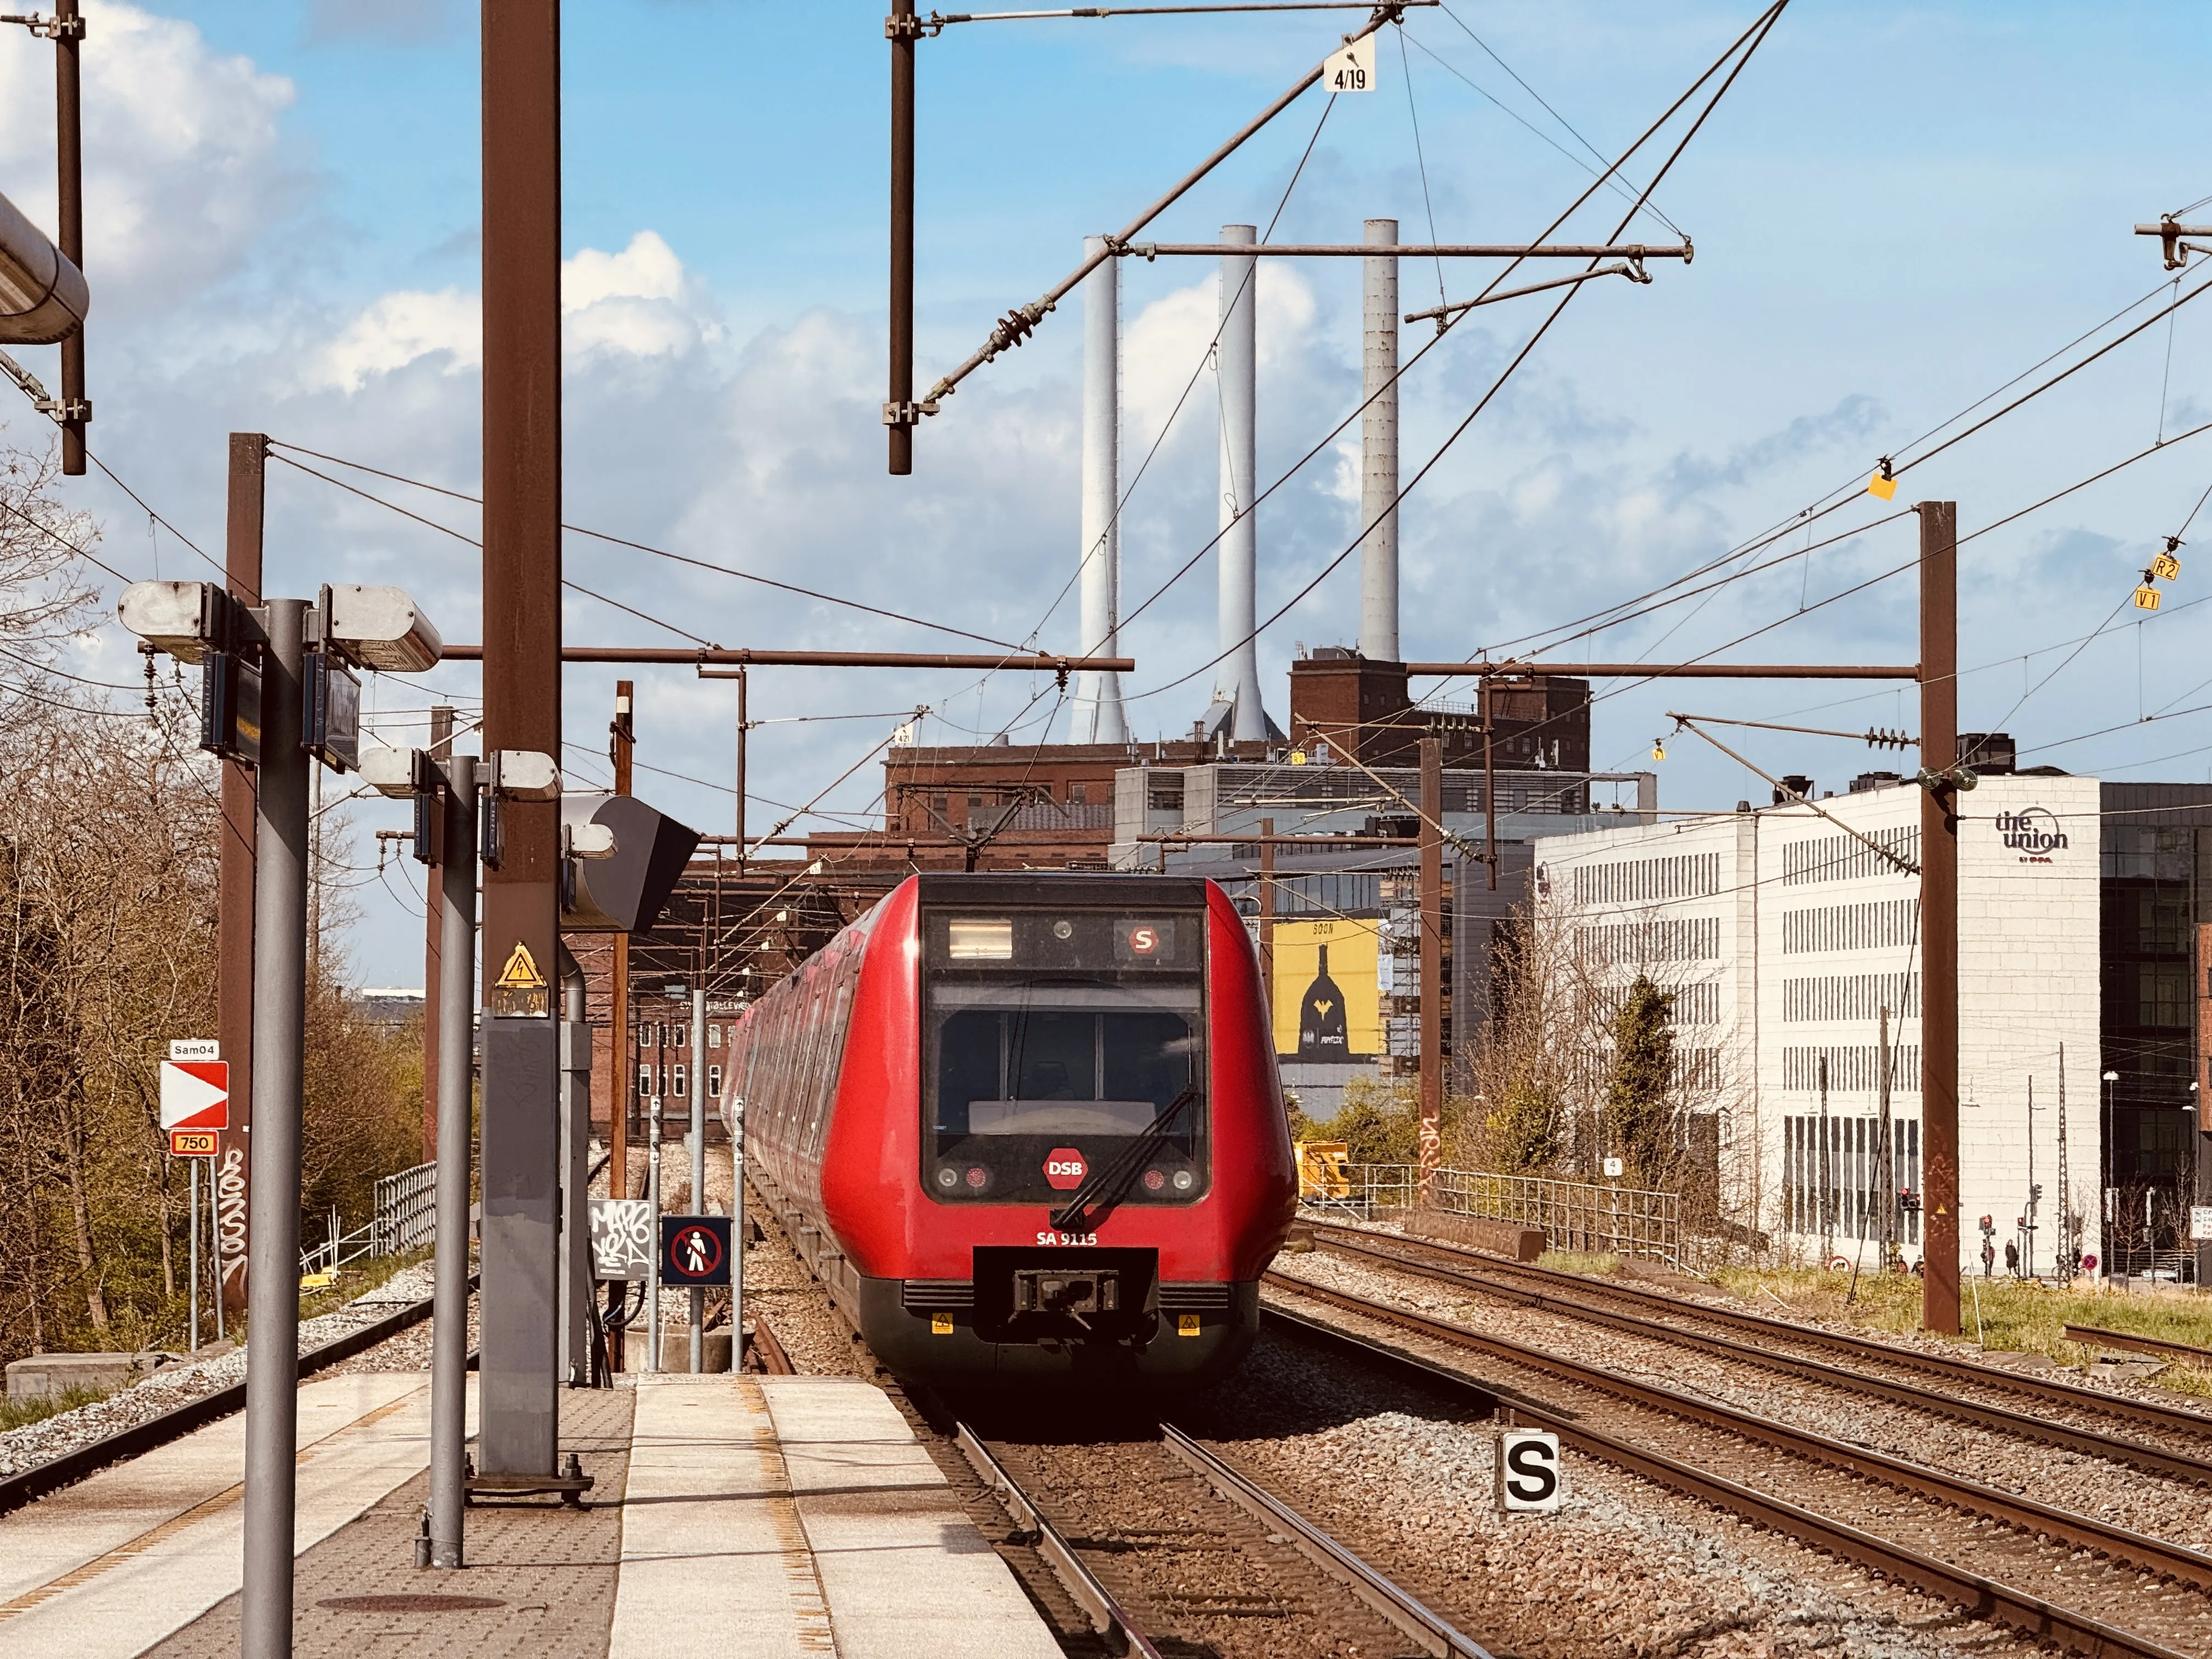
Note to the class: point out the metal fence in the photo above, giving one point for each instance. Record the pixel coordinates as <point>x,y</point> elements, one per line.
<point>406,1211</point>
<point>1579,1215</point>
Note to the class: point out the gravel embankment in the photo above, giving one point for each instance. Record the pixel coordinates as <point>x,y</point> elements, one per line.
<point>174,1385</point>
<point>2112,1492</point>
<point>1624,1570</point>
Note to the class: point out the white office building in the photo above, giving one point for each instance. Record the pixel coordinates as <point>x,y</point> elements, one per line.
<point>1784,940</point>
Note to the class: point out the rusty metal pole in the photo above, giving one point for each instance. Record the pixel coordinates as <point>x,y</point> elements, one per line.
<point>1268,917</point>
<point>434,927</point>
<point>1489,789</point>
<point>903,29</point>
<point>233,1165</point>
<point>69,155</point>
<point>624,733</point>
<point>520,1328</point>
<point>1433,961</point>
<point>1939,916</point>
<point>745,727</point>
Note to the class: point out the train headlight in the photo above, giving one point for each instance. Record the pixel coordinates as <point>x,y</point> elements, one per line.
<point>1184,1181</point>
<point>1063,929</point>
<point>948,1177</point>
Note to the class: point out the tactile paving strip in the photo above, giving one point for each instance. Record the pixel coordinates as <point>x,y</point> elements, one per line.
<point>551,1568</point>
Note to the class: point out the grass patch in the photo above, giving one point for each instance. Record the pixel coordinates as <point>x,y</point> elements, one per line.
<point>355,1279</point>
<point>2018,1316</point>
<point>19,1414</point>
<point>1577,1261</point>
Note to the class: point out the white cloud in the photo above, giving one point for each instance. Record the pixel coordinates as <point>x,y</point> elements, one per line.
<point>1162,347</point>
<point>639,302</point>
<point>183,167</point>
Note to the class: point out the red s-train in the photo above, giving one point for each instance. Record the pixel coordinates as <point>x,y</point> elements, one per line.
<point>1027,1127</point>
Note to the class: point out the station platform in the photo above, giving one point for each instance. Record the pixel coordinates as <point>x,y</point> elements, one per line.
<point>747,1518</point>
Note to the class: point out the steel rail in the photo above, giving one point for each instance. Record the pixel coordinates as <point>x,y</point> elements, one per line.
<point>2085,1441</point>
<point>2078,1531</point>
<point>1094,1599</point>
<point>71,1467</point>
<point>2142,1412</point>
<point>1981,1596</point>
<point>1435,1635</point>
<point>774,1361</point>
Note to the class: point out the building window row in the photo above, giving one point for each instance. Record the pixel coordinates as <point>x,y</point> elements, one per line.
<point>1852,1068</point>
<point>1852,996</point>
<point>1633,881</point>
<point>674,1082</point>
<point>1846,858</point>
<point>1831,1184</point>
<point>1697,1071</point>
<point>1638,943</point>
<point>1695,1004</point>
<point>1876,925</point>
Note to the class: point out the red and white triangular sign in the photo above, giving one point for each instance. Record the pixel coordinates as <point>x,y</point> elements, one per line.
<point>195,1094</point>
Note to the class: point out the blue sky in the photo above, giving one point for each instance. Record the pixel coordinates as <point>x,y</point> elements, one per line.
<point>1897,210</point>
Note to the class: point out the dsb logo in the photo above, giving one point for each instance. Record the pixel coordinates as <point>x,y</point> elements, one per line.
<point>1529,1472</point>
<point>1063,1168</point>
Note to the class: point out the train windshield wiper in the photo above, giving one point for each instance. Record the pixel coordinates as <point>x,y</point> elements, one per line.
<point>1110,1185</point>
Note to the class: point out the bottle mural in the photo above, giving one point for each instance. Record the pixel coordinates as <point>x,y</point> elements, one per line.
<point>1321,1029</point>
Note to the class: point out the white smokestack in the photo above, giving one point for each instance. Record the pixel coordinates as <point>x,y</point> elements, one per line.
<point>1378,451</point>
<point>1098,717</point>
<point>1237,678</point>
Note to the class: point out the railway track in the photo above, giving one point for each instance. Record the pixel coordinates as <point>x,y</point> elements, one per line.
<point>2128,1595</point>
<point>1574,1294</point>
<point>1464,1270</point>
<point>73,1465</point>
<point>1137,1584</point>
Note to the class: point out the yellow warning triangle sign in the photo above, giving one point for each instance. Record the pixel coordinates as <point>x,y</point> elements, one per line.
<point>521,970</point>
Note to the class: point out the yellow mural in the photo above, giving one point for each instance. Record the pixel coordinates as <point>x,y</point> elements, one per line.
<point>1328,1003</point>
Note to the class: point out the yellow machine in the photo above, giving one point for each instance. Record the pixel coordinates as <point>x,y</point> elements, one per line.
<point>1320,1169</point>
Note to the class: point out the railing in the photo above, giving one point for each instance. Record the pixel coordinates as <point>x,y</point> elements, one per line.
<point>406,1210</point>
<point>2137,1261</point>
<point>1578,1216</point>
<point>405,1218</point>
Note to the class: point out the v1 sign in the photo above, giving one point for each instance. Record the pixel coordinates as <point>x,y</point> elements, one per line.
<point>195,1094</point>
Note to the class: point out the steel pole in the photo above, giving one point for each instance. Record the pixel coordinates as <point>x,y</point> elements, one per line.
<point>653,1203</point>
<point>574,1272</point>
<point>1433,963</point>
<point>619,1086</point>
<point>455,1016</point>
<point>1267,920</point>
<point>230,1175</point>
<point>434,923</point>
<point>1236,681</point>
<point>519,1400</point>
<point>69,157</point>
<point>899,413</point>
<point>1378,450</point>
<point>744,734</point>
<point>280,970</point>
<point>1939,916</point>
<point>193,1171</point>
<point>699,1166</point>
<point>1098,716</point>
<point>737,1223</point>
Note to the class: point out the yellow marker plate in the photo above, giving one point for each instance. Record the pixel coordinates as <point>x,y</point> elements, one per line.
<point>1885,489</point>
<point>1186,1324</point>
<point>940,1324</point>
<point>2147,598</point>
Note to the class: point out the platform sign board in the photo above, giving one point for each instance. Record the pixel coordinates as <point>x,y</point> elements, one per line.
<point>2200,1224</point>
<point>1528,1476</point>
<point>193,1143</point>
<point>694,1249</point>
<point>622,1239</point>
<point>195,1094</point>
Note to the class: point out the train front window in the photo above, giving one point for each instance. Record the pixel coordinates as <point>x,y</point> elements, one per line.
<point>1053,1060</point>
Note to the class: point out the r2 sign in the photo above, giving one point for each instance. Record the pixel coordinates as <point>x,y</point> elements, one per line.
<point>1351,69</point>
<point>1528,1479</point>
